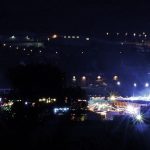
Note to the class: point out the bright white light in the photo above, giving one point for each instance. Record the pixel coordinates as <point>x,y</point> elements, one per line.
<point>107,33</point>
<point>83,78</point>
<point>139,118</point>
<point>134,34</point>
<point>146,84</point>
<point>98,77</point>
<point>13,37</point>
<point>87,39</point>
<point>54,36</point>
<point>135,85</point>
<point>115,78</point>
<point>112,98</point>
<point>131,110</point>
<point>118,83</point>
<point>26,103</point>
<point>74,78</point>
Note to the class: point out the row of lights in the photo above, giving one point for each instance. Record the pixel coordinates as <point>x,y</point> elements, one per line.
<point>47,100</point>
<point>14,37</point>
<point>17,48</point>
<point>115,78</point>
<point>127,34</point>
<point>98,78</point>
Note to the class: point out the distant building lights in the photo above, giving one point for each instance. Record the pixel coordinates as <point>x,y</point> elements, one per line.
<point>87,38</point>
<point>112,98</point>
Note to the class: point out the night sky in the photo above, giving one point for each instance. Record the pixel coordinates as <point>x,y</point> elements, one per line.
<point>72,16</point>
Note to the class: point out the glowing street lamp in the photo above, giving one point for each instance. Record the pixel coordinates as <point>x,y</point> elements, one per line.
<point>83,78</point>
<point>146,84</point>
<point>98,77</point>
<point>74,78</point>
<point>135,85</point>
<point>118,83</point>
<point>13,37</point>
<point>54,36</point>
<point>115,78</point>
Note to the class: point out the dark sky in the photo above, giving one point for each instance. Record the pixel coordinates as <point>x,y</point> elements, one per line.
<point>70,16</point>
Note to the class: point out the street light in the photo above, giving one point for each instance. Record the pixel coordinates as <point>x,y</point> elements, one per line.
<point>135,85</point>
<point>146,84</point>
<point>74,78</point>
<point>118,83</point>
<point>83,78</point>
<point>115,78</point>
<point>98,77</point>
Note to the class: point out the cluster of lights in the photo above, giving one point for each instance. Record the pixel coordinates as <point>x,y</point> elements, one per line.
<point>71,37</point>
<point>19,48</point>
<point>115,78</point>
<point>61,110</point>
<point>134,112</point>
<point>47,100</point>
<point>128,34</point>
<point>10,103</point>
<point>97,104</point>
